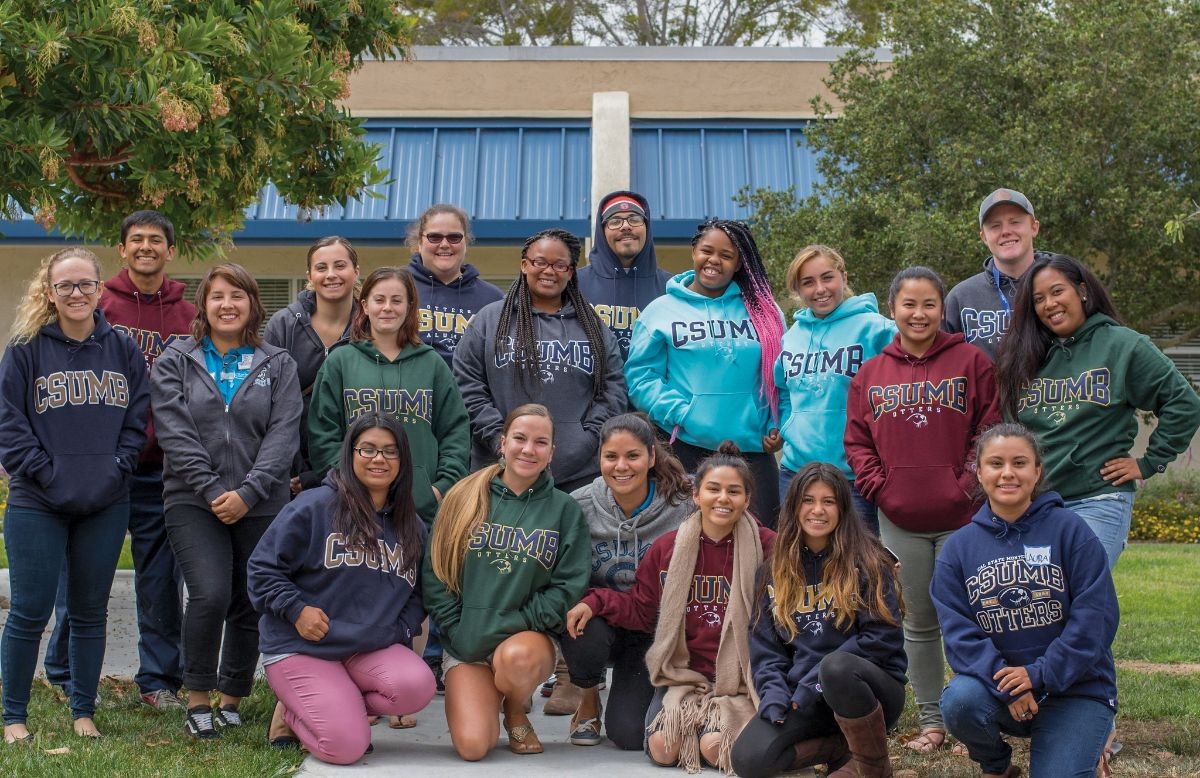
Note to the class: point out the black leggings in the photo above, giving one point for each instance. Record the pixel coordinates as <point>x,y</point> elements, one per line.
<point>851,687</point>
<point>764,492</point>
<point>587,659</point>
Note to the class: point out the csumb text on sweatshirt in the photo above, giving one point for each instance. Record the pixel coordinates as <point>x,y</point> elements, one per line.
<point>443,310</point>
<point>637,609</point>
<point>695,363</point>
<point>291,329</point>
<point>526,566</point>
<point>911,424</point>
<point>1035,594</point>
<point>417,389</point>
<point>153,321</point>
<point>785,671</point>
<point>1082,406</point>
<point>619,542</point>
<point>980,306</point>
<point>813,373</point>
<point>372,601</point>
<point>620,294</point>
<point>492,385</point>
<point>72,418</point>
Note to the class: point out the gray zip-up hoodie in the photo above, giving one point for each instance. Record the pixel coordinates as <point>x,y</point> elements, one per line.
<point>619,542</point>
<point>491,387</point>
<point>980,306</point>
<point>209,447</point>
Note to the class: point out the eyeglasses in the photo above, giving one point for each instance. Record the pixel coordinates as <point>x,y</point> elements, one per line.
<point>541,264</point>
<point>370,452</point>
<point>617,222</point>
<point>86,288</point>
<point>453,238</point>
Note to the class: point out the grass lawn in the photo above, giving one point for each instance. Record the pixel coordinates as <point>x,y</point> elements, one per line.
<point>1157,647</point>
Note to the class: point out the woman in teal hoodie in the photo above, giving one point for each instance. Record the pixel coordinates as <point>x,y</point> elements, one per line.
<point>833,334</point>
<point>702,358</point>
<point>386,369</point>
<point>1076,378</point>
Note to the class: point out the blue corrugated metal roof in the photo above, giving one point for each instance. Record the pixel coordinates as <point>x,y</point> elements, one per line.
<point>691,170</point>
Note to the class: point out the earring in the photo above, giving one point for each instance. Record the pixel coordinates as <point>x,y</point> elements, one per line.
<point>500,461</point>
<point>1084,299</point>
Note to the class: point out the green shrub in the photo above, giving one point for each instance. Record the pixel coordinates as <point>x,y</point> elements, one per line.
<point>1167,508</point>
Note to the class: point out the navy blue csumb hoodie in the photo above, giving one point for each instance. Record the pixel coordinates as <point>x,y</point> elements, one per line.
<point>443,310</point>
<point>371,600</point>
<point>72,418</point>
<point>785,671</point>
<point>1035,594</point>
<point>617,293</point>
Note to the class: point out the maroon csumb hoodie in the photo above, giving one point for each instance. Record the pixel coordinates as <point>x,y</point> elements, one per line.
<point>153,321</point>
<point>911,424</point>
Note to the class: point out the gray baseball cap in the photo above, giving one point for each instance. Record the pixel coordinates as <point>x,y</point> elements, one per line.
<point>1002,196</point>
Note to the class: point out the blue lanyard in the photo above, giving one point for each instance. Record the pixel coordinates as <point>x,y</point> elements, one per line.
<point>999,291</point>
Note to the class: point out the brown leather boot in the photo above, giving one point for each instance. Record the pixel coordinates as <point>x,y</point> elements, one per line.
<point>867,739</point>
<point>565,698</point>
<point>830,751</point>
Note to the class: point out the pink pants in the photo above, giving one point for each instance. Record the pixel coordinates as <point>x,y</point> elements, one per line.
<point>326,703</point>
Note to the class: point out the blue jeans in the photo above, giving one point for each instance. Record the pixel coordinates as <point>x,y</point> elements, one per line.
<point>1108,515</point>
<point>1066,736</point>
<point>156,585</point>
<point>866,509</point>
<point>37,542</point>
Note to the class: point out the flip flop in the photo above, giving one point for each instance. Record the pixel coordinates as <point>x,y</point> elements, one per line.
<point>928,741</point>
<point>402,722</point>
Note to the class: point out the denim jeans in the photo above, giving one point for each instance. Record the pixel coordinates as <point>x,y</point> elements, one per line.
<point>1066,736</point>
<point>156,585</point>
<point>37,542</point>
<point>866,509</point>
<point>1108,515</point>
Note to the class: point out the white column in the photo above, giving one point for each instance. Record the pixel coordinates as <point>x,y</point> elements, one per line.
<point>610,145</point>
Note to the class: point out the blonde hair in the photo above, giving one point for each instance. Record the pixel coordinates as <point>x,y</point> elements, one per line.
<point>35,310</point>
<point>792,276</point>
<point>465,508</point>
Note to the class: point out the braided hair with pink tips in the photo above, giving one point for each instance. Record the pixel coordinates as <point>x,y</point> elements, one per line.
<point>751,278</point>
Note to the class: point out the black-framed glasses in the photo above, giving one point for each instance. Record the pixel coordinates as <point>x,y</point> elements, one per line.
<point>370,452</point>
<point>617,222</point>
<point>86,287</point>
<point>453,238</point>
<point>541,264</point>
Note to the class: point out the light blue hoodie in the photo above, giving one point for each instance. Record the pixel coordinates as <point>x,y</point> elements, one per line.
<point>694,362</point>
<point>813,373</point>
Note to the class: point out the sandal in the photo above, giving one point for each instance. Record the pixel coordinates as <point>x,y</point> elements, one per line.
<point>402,722</point>
<point>928,741</point>
<point>523,740</point>
<point>960,749</point>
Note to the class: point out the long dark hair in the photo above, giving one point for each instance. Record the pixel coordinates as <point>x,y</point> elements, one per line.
<point>855,556</point>
<point>354,513</point>
<point>240,278</point>
<point>519,304</point>
<point>1028,340</point>
<point>670,479</point>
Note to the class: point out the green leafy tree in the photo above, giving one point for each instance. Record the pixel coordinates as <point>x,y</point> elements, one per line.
<point>1090,107</point>
<point>108,106</point>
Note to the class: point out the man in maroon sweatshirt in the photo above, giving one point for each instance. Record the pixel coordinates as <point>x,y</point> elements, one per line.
<point>143,303</point>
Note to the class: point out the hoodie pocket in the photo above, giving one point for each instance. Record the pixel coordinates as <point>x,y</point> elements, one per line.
<point>481,629</point>
<point>929,497</point>
<point>576,452</point>
<point>85,483</point>
<point>423,496</point>
<point>712,418</point>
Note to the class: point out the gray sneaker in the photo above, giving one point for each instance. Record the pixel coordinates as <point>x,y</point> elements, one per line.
<point>161,699</point>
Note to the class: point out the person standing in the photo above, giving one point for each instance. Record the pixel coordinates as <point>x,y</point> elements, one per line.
<point>143,303</point>
<point>622,276</point>
<point>73,405</point>
<point>449,290</point>
<point>228,407</point>
<point>980,307</point>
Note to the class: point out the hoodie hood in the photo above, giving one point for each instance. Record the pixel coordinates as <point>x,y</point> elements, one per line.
<point>941,342</point>
<point>1041,507</point>
<point>620,294</point>
<point>408,352</point>
<point>443,310</point>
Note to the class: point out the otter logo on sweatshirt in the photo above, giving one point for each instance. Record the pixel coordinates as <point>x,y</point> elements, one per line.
<point>707,597</point>
<point>1056,396</point>
<point>442,325</point>
<point>553,356</point>
<point>1015,593</point>
<point>384,556</point>
<point>922,397</point>
<point>400,403</point>
<point>514,544</point>
<point>80,387</point>
<point>814,608</point>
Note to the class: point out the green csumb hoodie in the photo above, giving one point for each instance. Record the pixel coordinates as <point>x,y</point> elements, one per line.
<point>1082,406</point>
<point>417,389</point>
<point>526,565</point>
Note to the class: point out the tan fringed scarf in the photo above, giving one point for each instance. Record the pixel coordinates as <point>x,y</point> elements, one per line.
<point>693,704</point>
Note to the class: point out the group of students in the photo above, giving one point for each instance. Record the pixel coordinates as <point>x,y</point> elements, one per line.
<point>422,457</point>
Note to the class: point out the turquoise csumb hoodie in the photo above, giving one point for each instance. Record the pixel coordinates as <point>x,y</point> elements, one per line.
<point>813,373</point>
<point>694,362</point>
